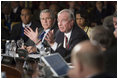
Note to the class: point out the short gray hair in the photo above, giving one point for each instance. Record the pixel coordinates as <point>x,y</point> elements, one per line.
<point>71,14</point>
<point>102,36</point>
<point>47,11</point>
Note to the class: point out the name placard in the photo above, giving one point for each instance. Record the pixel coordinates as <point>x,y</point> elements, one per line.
<point>8,60</point>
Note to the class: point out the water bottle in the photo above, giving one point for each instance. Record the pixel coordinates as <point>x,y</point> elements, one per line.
<point>7,46</point>
<point>13,48</point>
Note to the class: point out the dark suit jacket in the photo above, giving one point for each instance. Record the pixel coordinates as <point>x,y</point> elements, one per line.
<point>16,16</point>
<point>17,31</point>
<point>7,22</point>
<point>77,36</point>
<point>110,56</point>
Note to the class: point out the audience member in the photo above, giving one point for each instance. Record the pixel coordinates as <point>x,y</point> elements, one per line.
<point>98,14</point>
<point>72,6</point>
<point>6,16</point>
<point>82,22</point>
<point>54,8</point>
<point>18,29</point>
<point>47,20</point>
<point>41,6</point>
<point>88,61</point>
<point>22,4</point>
<point>102,36</point>
<point>67,36</point>
<point>110,8</point>
<point>108,22</point>
<point>106,40</point>
<point>16,10</point>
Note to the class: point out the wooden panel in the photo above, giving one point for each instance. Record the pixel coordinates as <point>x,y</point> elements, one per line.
<point>11,72</point>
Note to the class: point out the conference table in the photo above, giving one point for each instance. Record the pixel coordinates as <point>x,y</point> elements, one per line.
<point>29,67</point>
<point>22,68</point>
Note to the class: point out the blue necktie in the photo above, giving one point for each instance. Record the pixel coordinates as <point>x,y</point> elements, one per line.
<point>42,35</point>
<point>22,34</point>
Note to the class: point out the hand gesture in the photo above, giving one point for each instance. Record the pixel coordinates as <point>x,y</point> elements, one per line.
<point>33,35</point>
<point>50,37</point>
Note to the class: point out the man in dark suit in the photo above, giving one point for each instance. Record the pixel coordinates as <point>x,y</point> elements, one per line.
<point>106,40</point>
<point>16,11</point>
<point>88,61</point>
<point>18,29</point>
<point>47,20</point>
<point>68,35</point>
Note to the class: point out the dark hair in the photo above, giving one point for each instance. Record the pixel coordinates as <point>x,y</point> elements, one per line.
<point>84,15</point>
<point>27,8</point>
<point>100,1</point>
<point>102,36</point>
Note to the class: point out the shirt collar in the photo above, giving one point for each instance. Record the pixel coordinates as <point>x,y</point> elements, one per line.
<point>26,24</point>
<point>68,34</point>
<point>47,30</point>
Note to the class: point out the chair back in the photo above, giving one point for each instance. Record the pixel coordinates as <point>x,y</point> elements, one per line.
<point>13,23</point>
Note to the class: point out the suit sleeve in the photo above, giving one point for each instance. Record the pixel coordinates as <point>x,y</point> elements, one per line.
<point>14,33</point>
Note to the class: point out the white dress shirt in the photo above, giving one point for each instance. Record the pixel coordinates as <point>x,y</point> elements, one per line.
<point>26,25</point>
<point>68,36</point>
<point>55,45</point>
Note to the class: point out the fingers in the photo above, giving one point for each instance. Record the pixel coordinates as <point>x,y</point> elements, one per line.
<point>50,37</point>
<point>30,29</point>
<point>36,30</point>
<point>26,33</point>
<point>50,33</point>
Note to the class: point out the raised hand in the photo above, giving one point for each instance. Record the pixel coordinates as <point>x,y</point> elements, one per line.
<point>33,35</point>
<point>50,37</point>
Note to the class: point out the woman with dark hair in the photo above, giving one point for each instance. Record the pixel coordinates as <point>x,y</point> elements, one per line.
<point>82,21</point>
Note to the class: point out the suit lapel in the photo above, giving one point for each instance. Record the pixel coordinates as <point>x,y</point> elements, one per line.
<point>73,35</point>
<point>61,39</point>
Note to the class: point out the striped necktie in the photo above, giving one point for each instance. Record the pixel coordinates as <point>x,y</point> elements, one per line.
<point>42,35</point>
<point>66,42</point>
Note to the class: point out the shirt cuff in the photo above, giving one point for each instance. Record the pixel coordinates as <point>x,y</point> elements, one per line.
<point>54,46</point>
<point>39,45</point>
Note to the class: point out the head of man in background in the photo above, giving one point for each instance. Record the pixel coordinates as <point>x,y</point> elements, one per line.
<point>87,60</point>
<point>26,15</point>
<point>47,19</point>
